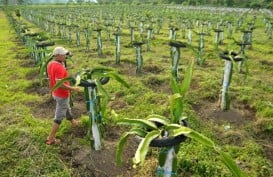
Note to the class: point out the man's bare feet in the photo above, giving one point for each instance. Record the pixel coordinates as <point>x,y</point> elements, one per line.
<point>52,141</point>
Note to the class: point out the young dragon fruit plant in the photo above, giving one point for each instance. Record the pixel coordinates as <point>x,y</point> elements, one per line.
<point>168,133</point>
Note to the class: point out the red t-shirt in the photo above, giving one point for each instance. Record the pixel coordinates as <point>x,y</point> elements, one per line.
<point>56,71</point>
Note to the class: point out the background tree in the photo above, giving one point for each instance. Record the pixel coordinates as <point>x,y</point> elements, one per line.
<point>4,2</point>
<point>70,1</point>
<point>230,3</point>
<point>79,1</point>
<point>15,2</point>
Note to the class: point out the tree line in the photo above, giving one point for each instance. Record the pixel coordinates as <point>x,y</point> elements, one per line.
<point>217,3</point>
<point>221,3</point>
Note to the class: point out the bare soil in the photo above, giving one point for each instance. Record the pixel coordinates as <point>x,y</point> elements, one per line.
<point>86,162</point>
<point>234,122</point>
<point>237,116</point>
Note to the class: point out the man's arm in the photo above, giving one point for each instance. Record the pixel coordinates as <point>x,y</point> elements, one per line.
<point>68,87</point>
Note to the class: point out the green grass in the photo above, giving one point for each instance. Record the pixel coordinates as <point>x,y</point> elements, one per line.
<point>22,148</point>
<point>22,136</point>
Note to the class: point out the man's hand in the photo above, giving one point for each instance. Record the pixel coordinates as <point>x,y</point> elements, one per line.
<point>77,89</point>
<point>71,88</point>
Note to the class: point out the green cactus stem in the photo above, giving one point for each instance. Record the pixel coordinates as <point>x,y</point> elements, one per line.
<point>242,52</point>
<point>247,36</point>
<point>229,58</point>
<point>99,41</point>
<point>132,33</point>
<point>139,58</point>
<point>173,31</point>
<point>175,56</point>
<point>108,30</point>
<point>217,37</point>
<point>87,34</point>
<point>189,35</point>
<point>149,36</point>
<point>200,48</point>
<point>117,43</point>
<point>230,30</point>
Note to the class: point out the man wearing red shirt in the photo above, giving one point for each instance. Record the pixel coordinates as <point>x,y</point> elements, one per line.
<point>56,71</point>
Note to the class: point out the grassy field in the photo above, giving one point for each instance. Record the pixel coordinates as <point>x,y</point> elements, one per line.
<point>27,110</point>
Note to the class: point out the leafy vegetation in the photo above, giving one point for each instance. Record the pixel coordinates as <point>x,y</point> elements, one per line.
<point>244,131</point>
<point>157,127</point>
<point>228,3</point>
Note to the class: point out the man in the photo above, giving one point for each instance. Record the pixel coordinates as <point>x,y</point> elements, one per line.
<point>56,71</point>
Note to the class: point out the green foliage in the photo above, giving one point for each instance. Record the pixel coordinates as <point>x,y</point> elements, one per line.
<point>139,122</point>
<point>143,146</point>
<point>17,13</point>
<point>228,3</point>
<point>43,66</point>
<point>177,99</point>
<point>95,74</point>
<point>264,126</point>
<point>173,128</point>
<point>269,5</point>
<point>194,159</point>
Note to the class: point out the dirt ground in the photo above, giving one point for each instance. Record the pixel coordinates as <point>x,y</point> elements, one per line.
<point>84,160</point>
<point>234,122</point>
<point>87,162</point>
<point>237,116</point>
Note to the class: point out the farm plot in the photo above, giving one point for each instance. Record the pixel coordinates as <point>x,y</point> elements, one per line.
<point>135,41</point>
